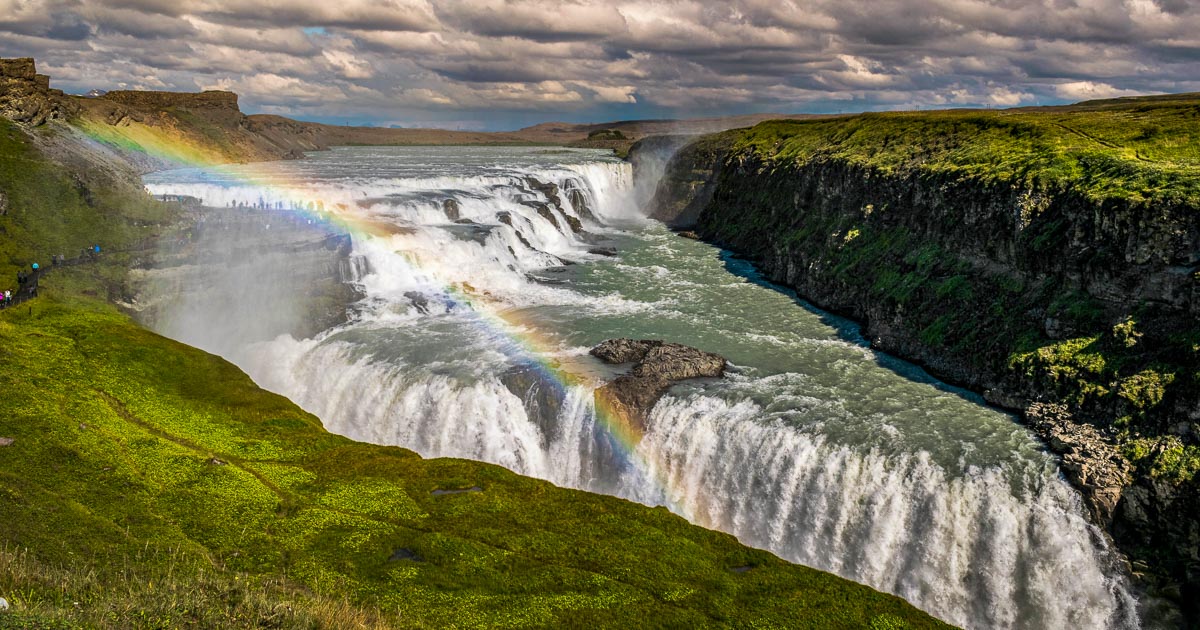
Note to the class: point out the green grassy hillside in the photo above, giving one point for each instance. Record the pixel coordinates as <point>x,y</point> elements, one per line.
<point>152,485</point>
<point>55,209</point>
<point>1145,151</point>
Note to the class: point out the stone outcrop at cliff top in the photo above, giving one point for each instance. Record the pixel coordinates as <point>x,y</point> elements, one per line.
<point>657,366</point>
<point>209,99</point>
<point>26,96</point>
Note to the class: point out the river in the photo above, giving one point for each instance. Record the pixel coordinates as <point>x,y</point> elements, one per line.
<point>472,338</point>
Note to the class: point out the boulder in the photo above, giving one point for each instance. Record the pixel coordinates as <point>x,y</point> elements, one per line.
<point>657,366</point>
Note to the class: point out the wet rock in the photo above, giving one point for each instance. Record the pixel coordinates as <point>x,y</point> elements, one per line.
<point>603,251</point>
<point>546,213</point>
<point>418,300</point>
<point>657,366</point>
<point>623,350</point>
<point>541,394</point>
<point>549,189</point>
<point>690,234</point>
<point>576,224</point>
<point>452,209</point>
<point>506,219</point>
<point>578,199</point>
<point>467,230</point>
<point>1088,459</point>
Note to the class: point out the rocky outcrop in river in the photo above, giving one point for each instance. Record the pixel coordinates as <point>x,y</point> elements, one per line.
<point>656,366</point>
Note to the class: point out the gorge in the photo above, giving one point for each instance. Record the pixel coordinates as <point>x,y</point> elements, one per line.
<point>476,304</point>
<point>481,301</point>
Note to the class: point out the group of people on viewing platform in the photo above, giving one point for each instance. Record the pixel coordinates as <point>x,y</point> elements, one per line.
<point>27,281</point>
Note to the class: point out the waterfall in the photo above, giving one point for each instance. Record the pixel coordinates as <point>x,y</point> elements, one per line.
<point>447,356</point>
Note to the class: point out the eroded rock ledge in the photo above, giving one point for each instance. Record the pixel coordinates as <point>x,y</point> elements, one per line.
<point>657,366</point>
<point>1088,459</point>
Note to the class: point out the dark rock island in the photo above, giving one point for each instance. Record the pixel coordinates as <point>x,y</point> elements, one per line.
<point>657,366</point>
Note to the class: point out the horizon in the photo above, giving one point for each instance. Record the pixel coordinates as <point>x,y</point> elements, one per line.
<point>508,65</point>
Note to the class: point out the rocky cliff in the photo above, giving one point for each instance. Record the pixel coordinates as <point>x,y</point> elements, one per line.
<point>1025,255</point>
<point>26,96</point>
<point>146,99</point>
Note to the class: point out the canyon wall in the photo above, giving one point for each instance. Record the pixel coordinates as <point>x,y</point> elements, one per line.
<point>1076,311</point>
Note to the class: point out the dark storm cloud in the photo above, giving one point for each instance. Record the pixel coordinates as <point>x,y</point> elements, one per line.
<point>400,60</point>
<point>60,20</point>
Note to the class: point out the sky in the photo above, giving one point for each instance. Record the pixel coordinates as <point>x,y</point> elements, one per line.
<point>498,64</point>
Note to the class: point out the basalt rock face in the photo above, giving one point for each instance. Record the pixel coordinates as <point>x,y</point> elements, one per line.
<point>210,99</point>
<point>657,366</point>
<point>1082,315</point>
<point>690,179</point>
<point>26,96</point>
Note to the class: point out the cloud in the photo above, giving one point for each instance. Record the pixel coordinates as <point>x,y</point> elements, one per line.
<point>538,20</point>
<point>517,60</point>
<point>1087,90</point>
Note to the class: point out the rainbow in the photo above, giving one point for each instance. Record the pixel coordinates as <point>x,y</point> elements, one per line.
<point>519,338</point>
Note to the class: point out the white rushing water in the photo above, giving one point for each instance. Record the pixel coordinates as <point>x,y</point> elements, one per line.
<point>815,447</point>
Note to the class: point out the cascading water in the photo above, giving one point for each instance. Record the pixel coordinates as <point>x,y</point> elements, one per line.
<point>487,274</point>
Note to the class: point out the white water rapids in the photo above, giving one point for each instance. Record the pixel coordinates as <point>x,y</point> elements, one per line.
<point>815,447</point>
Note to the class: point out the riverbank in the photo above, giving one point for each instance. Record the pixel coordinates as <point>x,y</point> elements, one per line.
<point>1044,258</point>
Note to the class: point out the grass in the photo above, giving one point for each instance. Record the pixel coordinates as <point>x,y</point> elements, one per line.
<point>152,485</point>
<point>1146,152</point>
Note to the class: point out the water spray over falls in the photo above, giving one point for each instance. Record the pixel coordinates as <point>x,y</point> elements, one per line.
<point>486,274</point>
